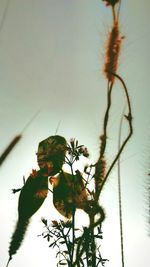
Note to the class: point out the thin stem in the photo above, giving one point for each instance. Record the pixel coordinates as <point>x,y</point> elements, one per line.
<point>73,233</point>
<point>106,118</point>
<point>70,163</point>
<point>104,141</point>
<point>119,195</point>
<point>66,242</point>
<point>8,261</point>
<point>118,11</point>
<point>86,252</point>
<point>93,244</point>
<point>126,92</point>
<point>71,169</point>
<point>114,14</point>
<point>129,119</point>
<point>52,232</point>
<point>79,252</point>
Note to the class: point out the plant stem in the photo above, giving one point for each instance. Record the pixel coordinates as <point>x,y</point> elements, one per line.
<point>73,233</point>
<point>93,244</point>
<point>114,15</point>
<point>66,242</point>
<point>106,118</point>
<point>119,195</point>
<point>129,119</point>
<point>98,183</point>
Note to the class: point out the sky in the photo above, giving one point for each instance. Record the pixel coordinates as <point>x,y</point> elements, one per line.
<point>51,61</point>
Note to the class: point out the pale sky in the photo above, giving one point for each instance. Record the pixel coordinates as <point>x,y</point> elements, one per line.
<point>51,59</point>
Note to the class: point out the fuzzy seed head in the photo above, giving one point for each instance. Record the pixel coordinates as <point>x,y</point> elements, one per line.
<point>112,53</point>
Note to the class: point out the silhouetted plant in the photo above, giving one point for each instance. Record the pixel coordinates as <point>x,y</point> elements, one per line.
<point>58,234</point>
<point>51,155</point>
<point>72,190</point>
<point>87,241</point>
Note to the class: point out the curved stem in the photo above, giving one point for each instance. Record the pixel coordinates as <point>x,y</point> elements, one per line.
<point>129,119</point>
<point>103,142</point>
<point>106,118</point>
<point>126,92</point>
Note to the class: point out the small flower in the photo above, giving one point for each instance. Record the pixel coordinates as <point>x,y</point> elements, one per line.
<point>84,151</point>
<point>75,150</point>
<point>72,142</point>
<point>55,223</point>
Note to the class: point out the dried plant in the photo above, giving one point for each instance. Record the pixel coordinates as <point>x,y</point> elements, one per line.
<point>72,190</point>
<point>16,139</point>
<point>9,148</point>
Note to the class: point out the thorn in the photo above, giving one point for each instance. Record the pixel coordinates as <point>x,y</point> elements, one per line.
<point>128,117</point>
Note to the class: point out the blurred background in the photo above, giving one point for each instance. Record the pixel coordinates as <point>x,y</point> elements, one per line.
<point>51,61</point>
